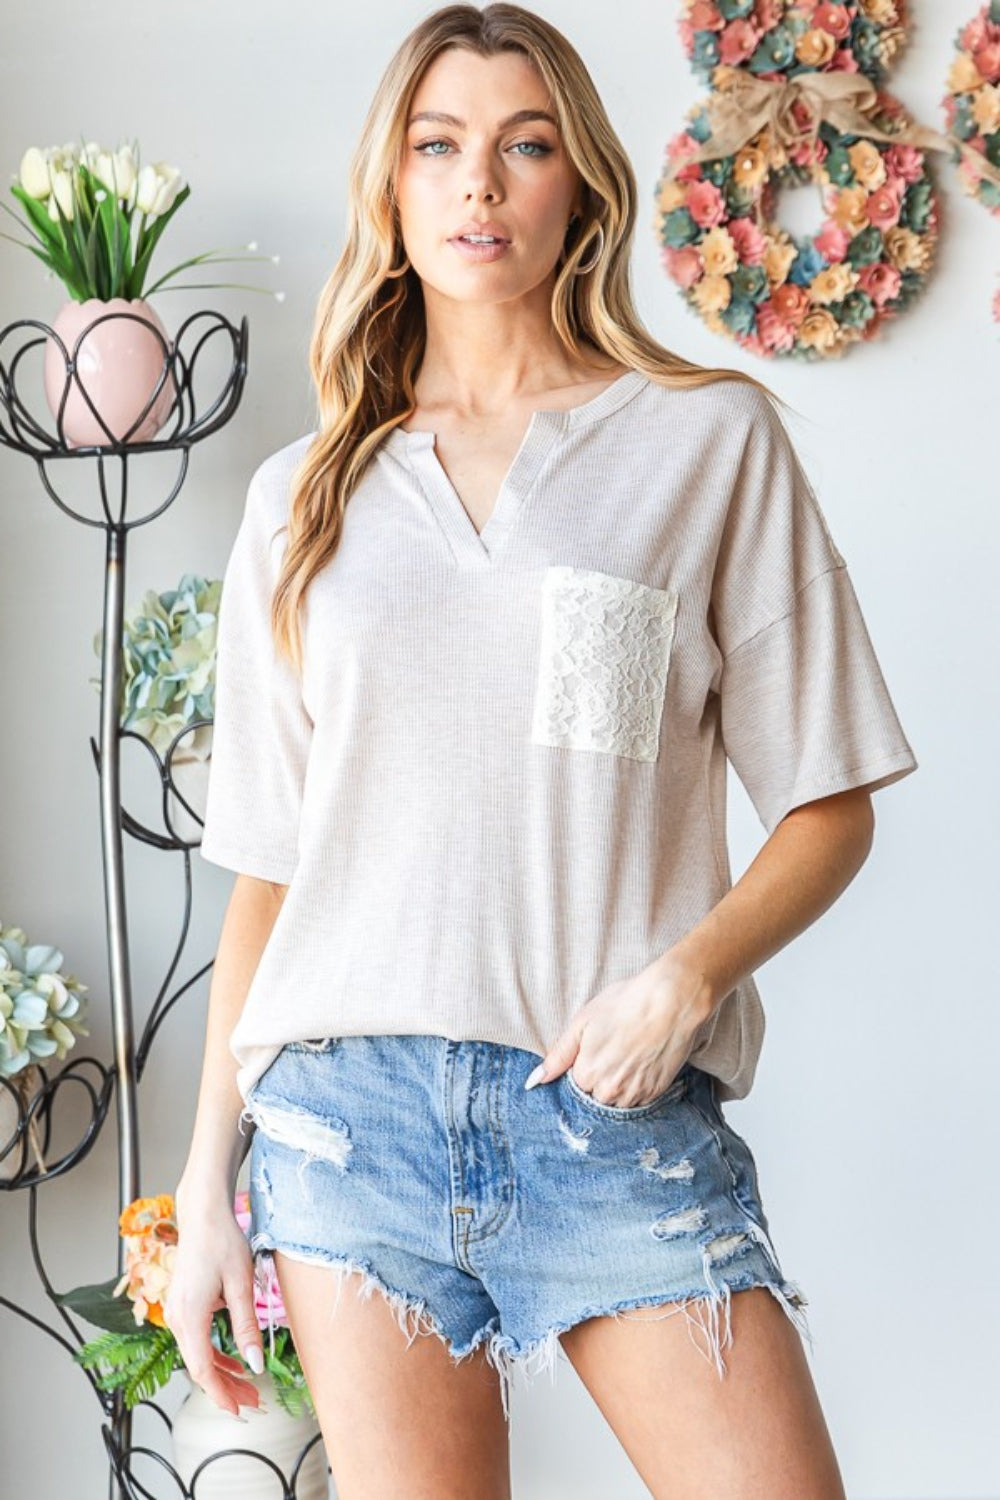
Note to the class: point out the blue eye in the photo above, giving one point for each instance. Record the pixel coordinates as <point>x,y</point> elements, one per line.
<point>536,148</point>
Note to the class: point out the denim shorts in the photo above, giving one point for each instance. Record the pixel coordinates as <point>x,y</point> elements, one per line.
<point>493,1215</point>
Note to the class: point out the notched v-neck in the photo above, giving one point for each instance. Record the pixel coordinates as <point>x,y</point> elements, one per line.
<point>545,427</point>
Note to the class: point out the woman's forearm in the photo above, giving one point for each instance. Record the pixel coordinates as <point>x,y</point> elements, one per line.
<point>217,1145</point>
<point>805,864</point>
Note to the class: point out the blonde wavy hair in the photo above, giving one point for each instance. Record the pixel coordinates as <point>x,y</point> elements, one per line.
<point>369,333</point>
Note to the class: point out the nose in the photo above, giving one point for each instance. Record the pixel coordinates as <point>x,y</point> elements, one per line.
<point>483,176</point>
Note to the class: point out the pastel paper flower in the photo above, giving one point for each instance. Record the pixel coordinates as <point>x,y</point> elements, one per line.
<point>987,60</point>
<point>906,250</point>
<point>833,284</point>
<point>684,266</point>
<point>712,293</point>
<point>719,253</point>
<point>790,303</point>
<point>986,112</point>
<point>749,239</point>
<point>776,335</point>
<point>738,42</point>
<point>850,210</point>
<point>750,167</point>
<point>885,204</point>
<point>819,330</point>
<point>868,164</point>
<point>880,282</point>
<point>815,48</point>
<point>832,242</point>
<point>834,19</point>
<point>704,15</point>
<point>706,204</point>
<point>963,75</point>
<point>905,162</point>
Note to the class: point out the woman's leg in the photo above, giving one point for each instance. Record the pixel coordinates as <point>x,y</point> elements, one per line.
<point>755,1433</point>
<point>397,1418</point>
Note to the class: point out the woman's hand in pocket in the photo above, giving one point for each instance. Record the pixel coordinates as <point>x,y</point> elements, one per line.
<point>627,1044</point>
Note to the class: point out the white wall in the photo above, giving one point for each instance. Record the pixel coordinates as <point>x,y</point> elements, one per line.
<point>872,1113</point>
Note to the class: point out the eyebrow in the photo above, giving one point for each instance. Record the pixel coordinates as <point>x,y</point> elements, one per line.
<point>520,117</point>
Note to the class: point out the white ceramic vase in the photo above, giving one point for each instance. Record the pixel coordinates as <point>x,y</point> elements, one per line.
<point>9,1117</point>
<point>26,1084</point>
<point>201,1428</point>
<point>190,776</point>
<point>118,364</point>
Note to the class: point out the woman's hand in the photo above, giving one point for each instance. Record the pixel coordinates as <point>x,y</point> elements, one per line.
<point>213,1269</point>
<point>628,1043</point>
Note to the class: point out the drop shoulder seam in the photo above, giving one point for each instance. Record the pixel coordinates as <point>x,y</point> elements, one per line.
<point>834,568</point>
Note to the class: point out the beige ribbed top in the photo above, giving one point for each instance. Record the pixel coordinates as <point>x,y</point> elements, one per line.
<point>501,784</point>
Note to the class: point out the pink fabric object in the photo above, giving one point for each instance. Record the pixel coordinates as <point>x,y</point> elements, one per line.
<point>269,1304</point>
<point>118,363</point>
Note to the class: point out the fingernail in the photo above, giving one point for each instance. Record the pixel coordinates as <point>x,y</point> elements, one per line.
<point>535,1076</point>
<point>254,1357</point>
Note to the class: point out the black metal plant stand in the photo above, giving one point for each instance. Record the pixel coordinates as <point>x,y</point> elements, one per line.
<point>25,433</point>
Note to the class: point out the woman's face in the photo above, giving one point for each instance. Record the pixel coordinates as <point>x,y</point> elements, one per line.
<point>473,164</point>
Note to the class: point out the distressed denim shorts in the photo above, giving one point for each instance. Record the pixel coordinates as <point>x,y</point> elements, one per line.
<point>489,1214</point>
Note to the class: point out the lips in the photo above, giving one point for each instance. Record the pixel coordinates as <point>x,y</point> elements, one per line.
<point>495,231</point>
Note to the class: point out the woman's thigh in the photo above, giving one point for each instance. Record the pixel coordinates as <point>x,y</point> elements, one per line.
<point>397,1417</point>
<point>755,1433</point>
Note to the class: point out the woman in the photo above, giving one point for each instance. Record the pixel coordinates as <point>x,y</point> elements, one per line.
<point>484,970</point>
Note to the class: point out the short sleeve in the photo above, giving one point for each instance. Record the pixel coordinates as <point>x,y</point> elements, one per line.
<point>804,707</point>
<point>262,730</point>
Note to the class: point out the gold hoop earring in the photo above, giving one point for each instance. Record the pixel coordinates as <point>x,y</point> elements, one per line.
<point>581,270</point>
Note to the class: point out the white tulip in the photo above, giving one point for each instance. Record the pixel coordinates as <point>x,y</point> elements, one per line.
<point>61,160</point>
<point>125,171</point>
<point>34,173</point>
<point>116,170</point>
<point>158,186</point>
<point>62,193</point>
<point>103,166</point>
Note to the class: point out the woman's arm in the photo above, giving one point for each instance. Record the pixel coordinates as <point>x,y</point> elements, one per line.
<point>213,1266</point>
<point>632,1038</point>
<point>217,1147</point>
<point>808,861</point>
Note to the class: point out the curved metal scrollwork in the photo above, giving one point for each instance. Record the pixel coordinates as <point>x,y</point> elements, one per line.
<point>24,1157</point>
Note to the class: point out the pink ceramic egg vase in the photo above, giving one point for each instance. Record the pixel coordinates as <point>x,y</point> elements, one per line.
<point>118,363</point>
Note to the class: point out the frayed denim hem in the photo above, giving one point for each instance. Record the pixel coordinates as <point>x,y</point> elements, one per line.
<point>701,1310</point>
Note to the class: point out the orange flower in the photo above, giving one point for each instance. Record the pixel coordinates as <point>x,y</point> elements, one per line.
<point>144,1213</point>
<point>750,167</point>
<point>149,1229</point>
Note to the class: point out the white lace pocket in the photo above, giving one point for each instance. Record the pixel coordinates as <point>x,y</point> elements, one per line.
<point>602,666</point>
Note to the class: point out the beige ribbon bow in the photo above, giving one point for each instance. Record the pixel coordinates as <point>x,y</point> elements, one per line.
<point>744,105</point>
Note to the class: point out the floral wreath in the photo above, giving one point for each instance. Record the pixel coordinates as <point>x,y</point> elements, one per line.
<point>796,101</point>
<point>782,38</point>
<point>972,104</point>
<point>972,108</point>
